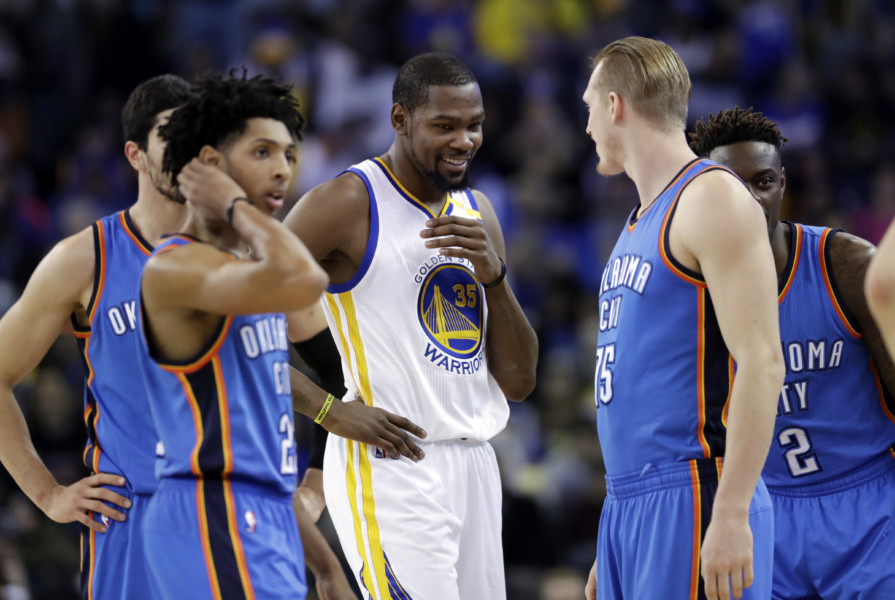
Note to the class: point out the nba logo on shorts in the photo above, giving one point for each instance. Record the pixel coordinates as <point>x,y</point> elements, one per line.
<point>105,520</point>
<point>251,521</point>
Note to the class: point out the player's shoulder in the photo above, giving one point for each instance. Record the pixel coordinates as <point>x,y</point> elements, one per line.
<point>67,271</point>
<point>848,252</point>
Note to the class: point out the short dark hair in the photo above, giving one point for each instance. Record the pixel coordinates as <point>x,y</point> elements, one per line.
<point>220,112</point>
<point>411,88</point>
<point>148,99</point>
<point>732,126</point>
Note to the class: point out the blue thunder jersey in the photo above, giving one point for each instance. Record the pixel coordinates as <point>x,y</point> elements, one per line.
<point>832,416</point>
<point>120,434</point>
<point>663,373</point>
<point>227,413</point>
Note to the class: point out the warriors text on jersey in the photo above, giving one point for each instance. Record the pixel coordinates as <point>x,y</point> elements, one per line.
<point>663,374</point>
<point>832,416</point>
<point>228,412</point>
<point>411,323</point>
<point>120,435</point>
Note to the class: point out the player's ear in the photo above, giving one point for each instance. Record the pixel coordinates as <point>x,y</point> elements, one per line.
<point>210,156</point>
<point>135,156</point>
<point>782,179</point>
<point>400,119</point>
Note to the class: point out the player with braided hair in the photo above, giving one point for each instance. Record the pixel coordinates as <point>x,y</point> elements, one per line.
<point>831,468</point>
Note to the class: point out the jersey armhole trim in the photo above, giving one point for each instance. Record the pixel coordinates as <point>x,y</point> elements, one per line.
<point>372,240</point>
<point>833,292</point>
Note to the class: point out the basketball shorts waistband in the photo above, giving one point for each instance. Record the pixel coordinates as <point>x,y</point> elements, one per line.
<point>659,477</point>
<point>875,468</point>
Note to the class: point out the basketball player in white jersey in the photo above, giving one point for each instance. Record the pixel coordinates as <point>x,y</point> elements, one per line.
<point>427,327</point>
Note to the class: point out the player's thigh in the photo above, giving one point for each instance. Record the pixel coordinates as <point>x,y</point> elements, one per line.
<point>394,522</point>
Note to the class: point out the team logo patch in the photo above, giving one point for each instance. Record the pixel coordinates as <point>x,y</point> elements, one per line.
<point>250,521</point>
<point>450,310</point>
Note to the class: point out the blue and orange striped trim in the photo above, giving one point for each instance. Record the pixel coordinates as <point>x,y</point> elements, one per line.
<point>792,265</point>
<point>705,476</point>
<point>829,282</point>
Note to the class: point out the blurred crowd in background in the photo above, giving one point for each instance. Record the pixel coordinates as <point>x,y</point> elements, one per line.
<point>823,69</point>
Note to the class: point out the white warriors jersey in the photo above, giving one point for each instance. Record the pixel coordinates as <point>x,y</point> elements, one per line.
<point>410,324</point>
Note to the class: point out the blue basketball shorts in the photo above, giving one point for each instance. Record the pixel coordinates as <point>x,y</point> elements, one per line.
<point>222,540</point>
<point>837,539</point>
<point>652,527</point>
<point>113,564</point>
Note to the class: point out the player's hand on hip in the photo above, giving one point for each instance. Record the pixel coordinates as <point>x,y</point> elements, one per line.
<point>208,188</point>
<point>590,588</point>
<point>74,502</point>
<point>460,237</point>
<point>390,433</point>
<point>727,557</point>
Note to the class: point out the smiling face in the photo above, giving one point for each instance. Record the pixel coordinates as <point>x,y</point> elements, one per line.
<point>261,161</point>
<point>444,134</point>
<point>758,165</point>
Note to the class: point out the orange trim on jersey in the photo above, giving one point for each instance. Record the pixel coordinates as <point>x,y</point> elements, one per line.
<point>879,391</point>
<point>700,369</point>
<point>92,545</point>
<point>823,268</point>
<point>206,541</point>
<point>795,263</point>
<point>683,172</point>
<point>665,257</point>
<point>892,452</point>
<point>133,236</point>
<point>206,356</point>
<point>101,276</point>
<point>697,530</point>
<point>197,423</point>
<point>731,373</point>
<point>238,550</point>
<point>410,196</point>
<point>224,408</point>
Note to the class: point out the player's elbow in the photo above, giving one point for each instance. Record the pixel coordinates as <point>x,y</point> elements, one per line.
<point>519,386</point>
<point>305,285</point>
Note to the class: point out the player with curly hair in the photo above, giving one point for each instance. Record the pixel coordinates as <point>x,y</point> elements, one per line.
<point>831,468</point>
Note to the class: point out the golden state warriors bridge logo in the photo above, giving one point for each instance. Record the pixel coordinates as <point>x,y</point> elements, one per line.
<point>450,312</point>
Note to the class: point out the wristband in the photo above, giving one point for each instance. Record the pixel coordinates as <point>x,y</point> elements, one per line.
<point>230,209</point>
<point>500,278</point>
<point>324,409</point>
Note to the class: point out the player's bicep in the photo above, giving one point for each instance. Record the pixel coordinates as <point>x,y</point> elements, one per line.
<point>727,235</point>
<point>305,324</point>
<point>324,218</point>
<point>33,323</point>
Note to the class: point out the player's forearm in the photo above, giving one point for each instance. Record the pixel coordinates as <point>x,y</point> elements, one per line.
<point>750,425</point>
<point>319,556</point>
<point>512,344</point>
<point>18,455</point>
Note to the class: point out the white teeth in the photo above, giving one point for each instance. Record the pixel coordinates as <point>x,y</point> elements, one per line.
<point>456,162</point>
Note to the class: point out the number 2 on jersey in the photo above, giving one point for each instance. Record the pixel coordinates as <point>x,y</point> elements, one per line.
<point>603,374</point>
<point>288,460</point>
<point>797,444</point>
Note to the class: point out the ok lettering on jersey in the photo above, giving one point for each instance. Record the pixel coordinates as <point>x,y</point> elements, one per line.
<point>123,318</point>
